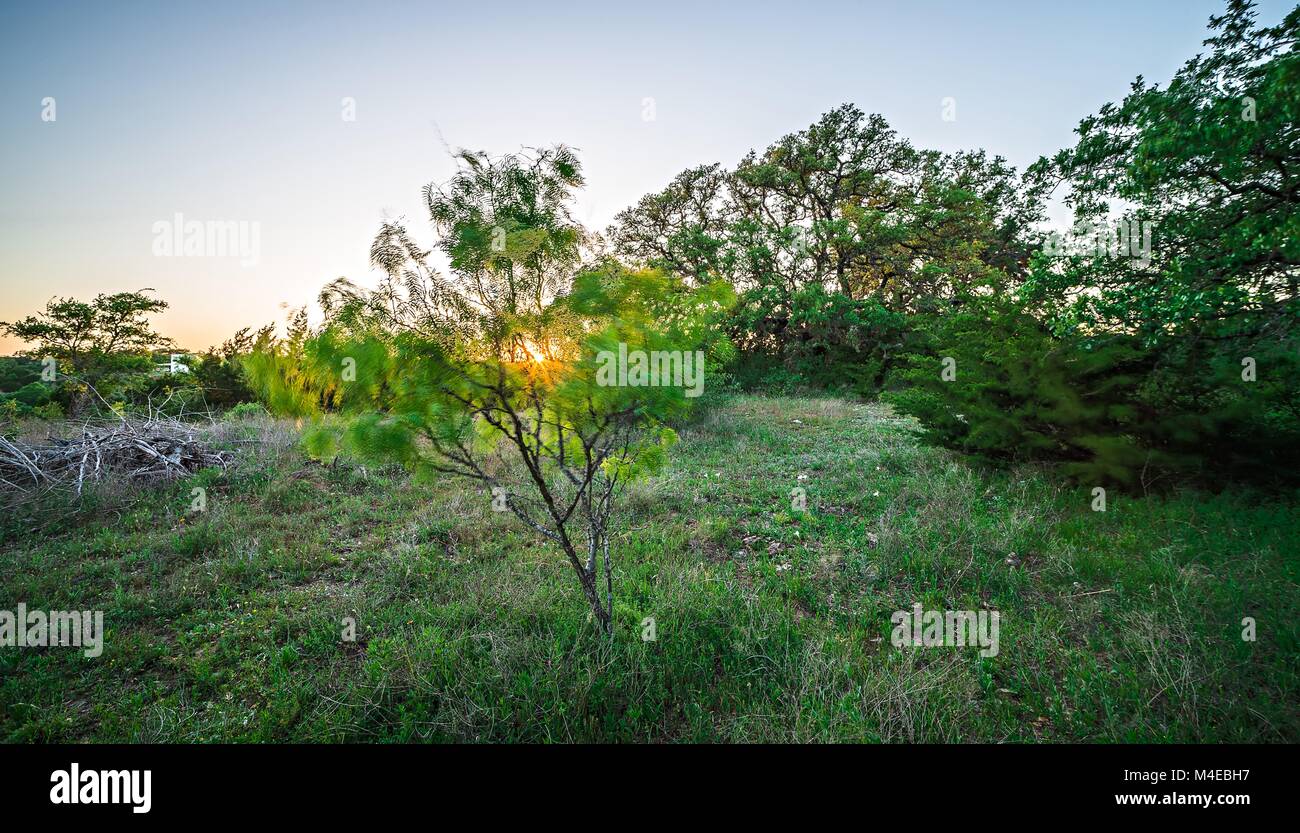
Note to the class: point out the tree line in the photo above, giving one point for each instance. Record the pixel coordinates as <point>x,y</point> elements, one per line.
<point>1155,339</point>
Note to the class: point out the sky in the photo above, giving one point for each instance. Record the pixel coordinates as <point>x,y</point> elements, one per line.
<point>311,123</point>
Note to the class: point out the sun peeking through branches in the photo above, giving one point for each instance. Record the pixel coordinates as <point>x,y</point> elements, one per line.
<point>491,374</point>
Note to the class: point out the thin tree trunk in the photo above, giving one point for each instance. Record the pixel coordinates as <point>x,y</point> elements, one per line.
<point>592,592</point>
<point>609,581</point>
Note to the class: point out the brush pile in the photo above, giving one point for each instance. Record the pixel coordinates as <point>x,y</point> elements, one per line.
<point>135,450</point>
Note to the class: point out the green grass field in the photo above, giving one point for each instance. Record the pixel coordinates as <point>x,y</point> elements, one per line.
<point>771,624</point>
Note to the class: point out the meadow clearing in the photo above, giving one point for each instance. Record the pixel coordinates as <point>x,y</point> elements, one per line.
<point>769,623</point>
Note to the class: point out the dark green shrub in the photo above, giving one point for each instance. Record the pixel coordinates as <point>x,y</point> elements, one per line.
<point>1111,409</point>
<point>17,371</point>
<point>33,394</point>
<point>814,338</point>
<point>996,383</point>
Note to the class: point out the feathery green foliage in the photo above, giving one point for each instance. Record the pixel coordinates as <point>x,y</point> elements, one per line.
<point>495,374</point>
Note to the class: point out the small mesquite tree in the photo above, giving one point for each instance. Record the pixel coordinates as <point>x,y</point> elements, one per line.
<point>494,374</point>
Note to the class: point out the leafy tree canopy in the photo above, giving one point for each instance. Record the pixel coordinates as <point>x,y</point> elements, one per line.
<point>846,204</point>
<point>1211,163</point>
<point>86,336</point>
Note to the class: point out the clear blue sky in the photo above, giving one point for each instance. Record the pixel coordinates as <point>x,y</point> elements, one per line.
<point>232,111</point>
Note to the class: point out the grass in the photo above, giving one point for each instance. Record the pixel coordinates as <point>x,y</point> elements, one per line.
<point>225,625</point>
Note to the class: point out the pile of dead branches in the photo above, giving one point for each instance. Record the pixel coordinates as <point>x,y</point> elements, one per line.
<point>135,450</point>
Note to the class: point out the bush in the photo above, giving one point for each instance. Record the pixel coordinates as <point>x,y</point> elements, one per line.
<point>997,384</point>
<point>34,394</point>
<point>221,377</point>
<point>17,371</point>
<point>1218,418</point>
<point>34,399</point>
<point>245,411</point>
<point>1110,408</point>
<point>814,338</point>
